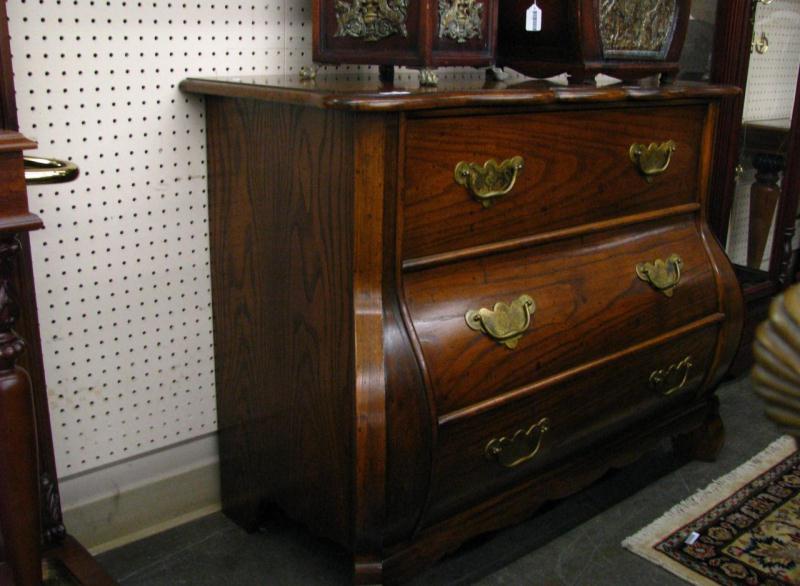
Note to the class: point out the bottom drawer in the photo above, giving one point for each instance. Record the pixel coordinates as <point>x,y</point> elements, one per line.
<point>486,448</point>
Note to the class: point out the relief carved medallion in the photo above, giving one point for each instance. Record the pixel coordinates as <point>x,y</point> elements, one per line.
<point>639,29</point>
<point>371,20</point>
<point>460,20</point>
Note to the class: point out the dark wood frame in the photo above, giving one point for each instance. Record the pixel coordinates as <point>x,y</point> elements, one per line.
<point>33,492</point>
<point>782,268</point>
<point>730,63</point>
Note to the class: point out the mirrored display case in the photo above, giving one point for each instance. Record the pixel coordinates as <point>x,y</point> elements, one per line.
<point>756,178</point>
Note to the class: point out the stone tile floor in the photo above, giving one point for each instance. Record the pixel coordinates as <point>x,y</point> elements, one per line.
<point>571,542</point>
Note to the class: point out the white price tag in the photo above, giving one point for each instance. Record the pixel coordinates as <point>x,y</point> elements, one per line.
<point>693,536</point>
<point>533,18</point>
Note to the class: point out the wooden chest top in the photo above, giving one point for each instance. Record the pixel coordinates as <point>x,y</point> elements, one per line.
<point>367,93</point>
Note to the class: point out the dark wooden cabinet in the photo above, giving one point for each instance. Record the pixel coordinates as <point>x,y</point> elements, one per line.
<point>398,32</point>
<point>435,310</point>
<point>628,39</point>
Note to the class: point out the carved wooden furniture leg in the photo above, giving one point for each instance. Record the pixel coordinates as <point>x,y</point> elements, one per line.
<point>764,195</point>
<point>19,491</point>
<point>705,442</point>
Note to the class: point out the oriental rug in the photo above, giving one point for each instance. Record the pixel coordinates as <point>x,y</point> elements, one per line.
<point>743,529</point>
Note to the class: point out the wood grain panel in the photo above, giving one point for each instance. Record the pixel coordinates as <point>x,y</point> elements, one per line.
<point>281,213</point>
<point>561,480</point>
<point>370,369</point>
<point>14,213</point>
<point>577,171</point>
<point>589,303</point>
<point>409,420</point>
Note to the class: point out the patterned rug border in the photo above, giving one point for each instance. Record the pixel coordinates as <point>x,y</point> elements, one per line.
<point>643,542</point>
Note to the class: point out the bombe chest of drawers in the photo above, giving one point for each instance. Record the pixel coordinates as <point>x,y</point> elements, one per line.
<point>436,309</point>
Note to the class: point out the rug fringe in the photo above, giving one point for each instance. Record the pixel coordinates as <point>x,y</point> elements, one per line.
<point>642,542</point>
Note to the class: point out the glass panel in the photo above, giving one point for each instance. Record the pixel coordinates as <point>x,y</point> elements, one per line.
<point>769,100</point>
<point>697,49</point>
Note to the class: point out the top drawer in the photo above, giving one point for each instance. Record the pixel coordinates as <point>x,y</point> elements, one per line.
<point>576,170</point>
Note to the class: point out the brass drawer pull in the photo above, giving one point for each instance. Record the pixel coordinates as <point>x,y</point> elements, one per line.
<point>521,447</point>
<point>504,323</point>
<point>653,159</point>
<point>662,275</point>
<point>491,180</point>
<point>671,379</point>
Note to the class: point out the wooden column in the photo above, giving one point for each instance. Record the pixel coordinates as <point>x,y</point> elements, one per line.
<point>764,194</point>
<point>730,61</point>
<point>19,481</point>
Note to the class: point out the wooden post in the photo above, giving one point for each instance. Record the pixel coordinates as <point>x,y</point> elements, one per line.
<point>19,478</point>
<point>764,195</point>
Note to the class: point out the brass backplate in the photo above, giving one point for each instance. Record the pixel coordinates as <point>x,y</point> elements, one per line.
<point>460,20</point>
<point>505,323</point>
<point>671,379</point>
<point>371,20</point>
<point>520,447</point>
<point>663,275</point>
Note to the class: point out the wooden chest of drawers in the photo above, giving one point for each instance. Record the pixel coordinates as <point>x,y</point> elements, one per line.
<point>415,345</point>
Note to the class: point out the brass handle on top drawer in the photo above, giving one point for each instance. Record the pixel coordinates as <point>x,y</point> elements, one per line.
<point>519,448</point>
<point>662,275</point>
<point>505,323</point>
<point>491,180</point>
<point>653,159</point>
<point>671,379</point>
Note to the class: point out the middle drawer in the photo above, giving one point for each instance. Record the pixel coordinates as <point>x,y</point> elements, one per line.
<point>577,168</point>
<point>584,298</point>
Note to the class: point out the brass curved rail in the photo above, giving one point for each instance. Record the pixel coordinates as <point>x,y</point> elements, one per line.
<point>41,171</point>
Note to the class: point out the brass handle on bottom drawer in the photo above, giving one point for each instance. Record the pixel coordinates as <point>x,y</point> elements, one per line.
<point>653,159</point>
<point>520,447</point>
<point>671,379</point>
<point>662,275</point>
<point>504,323</point>
<point>491,180</point>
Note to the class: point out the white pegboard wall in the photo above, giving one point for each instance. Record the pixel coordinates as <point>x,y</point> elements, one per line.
<point>122,266</point>
<point>772,76</point>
